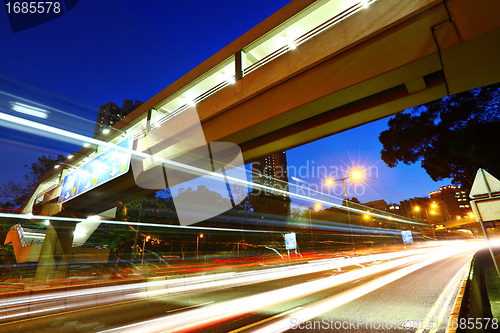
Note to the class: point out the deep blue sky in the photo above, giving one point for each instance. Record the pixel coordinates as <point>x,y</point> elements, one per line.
<point>113,50</point>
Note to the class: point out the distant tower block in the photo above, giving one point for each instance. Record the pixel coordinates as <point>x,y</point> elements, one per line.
<point>109,114</point>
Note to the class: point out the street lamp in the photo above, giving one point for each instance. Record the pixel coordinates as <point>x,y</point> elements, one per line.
<point>417,209</point>
<point>355,175</point>
<point>108,129</point>
<point>310,229</point>
<point>70,156</point>
<point>143,247</point>
<point>197,244</point>
<point>58,165</point>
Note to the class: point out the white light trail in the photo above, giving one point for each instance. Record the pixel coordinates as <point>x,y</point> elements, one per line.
<point>72,219</point>
<point>54,132</point>
<point>201,317</point>
<point>29,110</point>
<point>222,280</point>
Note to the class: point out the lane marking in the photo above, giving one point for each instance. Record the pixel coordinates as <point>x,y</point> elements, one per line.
<point>445,306</point>
<point>188,307</point>
<point>266,320</point>
<point>434,308</point>
<point>458,301</point>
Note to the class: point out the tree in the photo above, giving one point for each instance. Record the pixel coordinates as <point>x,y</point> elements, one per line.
<point>17,192</point>
<point>452,137</point>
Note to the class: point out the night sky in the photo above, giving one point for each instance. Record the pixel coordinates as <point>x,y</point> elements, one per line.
<point>112,50</point>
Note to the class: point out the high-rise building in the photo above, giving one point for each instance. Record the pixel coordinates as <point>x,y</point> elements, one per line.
<point>377,204</point>
<point>417,208</point>
<point>455,199</point>
<point>271,172</point>
<point>395,208</point>
<point>109,114</point>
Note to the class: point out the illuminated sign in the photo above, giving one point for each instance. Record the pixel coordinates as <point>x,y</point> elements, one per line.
<point>102,168</point>
<point>407,237</point>
<point>290,241</point>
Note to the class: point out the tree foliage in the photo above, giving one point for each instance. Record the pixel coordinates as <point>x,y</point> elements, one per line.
<point>452,137</point>
<point>17,192</point>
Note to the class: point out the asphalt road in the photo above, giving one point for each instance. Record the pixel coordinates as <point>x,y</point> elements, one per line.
<point>410,297</point>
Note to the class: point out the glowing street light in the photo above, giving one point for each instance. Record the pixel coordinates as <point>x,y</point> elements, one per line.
<point>143,247</point>
<point>356,175</point>
<point>197,243</point>
<point>58,165</point>
<point>108,129</point>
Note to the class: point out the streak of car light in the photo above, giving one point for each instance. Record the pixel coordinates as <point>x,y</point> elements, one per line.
<point>202,317</point>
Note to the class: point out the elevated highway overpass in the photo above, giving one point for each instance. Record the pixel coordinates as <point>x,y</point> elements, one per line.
<point>354,62</point>
<point>312,69</point>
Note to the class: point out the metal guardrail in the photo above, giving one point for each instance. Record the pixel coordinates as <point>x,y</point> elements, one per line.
<point>309,35</point>
<point>475,303</point>
<point>47,190</point>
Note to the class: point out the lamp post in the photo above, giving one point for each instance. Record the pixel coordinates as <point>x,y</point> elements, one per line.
<point>470,216</point>
<point>70,156</point>
<point>143,247</point>
<point>73,168</point>
<point>197,244</point>
<point>310,229</point>
<point>417,209</point>
<point>433,231</point>
<point>355,175</point>
<point>108,129</point>
<point>58,165</point>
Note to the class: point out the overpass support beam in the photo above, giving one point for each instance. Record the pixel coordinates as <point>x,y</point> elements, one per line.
<point>415,85</point>
<point>56,251</point>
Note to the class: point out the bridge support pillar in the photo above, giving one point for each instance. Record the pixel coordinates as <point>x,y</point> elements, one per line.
<point>56,251</point>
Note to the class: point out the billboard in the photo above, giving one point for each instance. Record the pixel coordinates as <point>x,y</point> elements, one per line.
<point>108,165</point>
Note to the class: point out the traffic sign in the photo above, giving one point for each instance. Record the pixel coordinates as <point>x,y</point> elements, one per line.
<point>108,165</point>
<point>485,193</point>
<point>290,241</point>
<point>484,185</point>
<point>407,237</point>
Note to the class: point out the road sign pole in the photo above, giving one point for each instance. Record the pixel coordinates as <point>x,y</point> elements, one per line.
<point>473,202</point>
<point>485,188</point>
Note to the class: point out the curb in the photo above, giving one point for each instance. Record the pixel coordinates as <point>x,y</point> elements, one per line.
<point>458,301</point>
